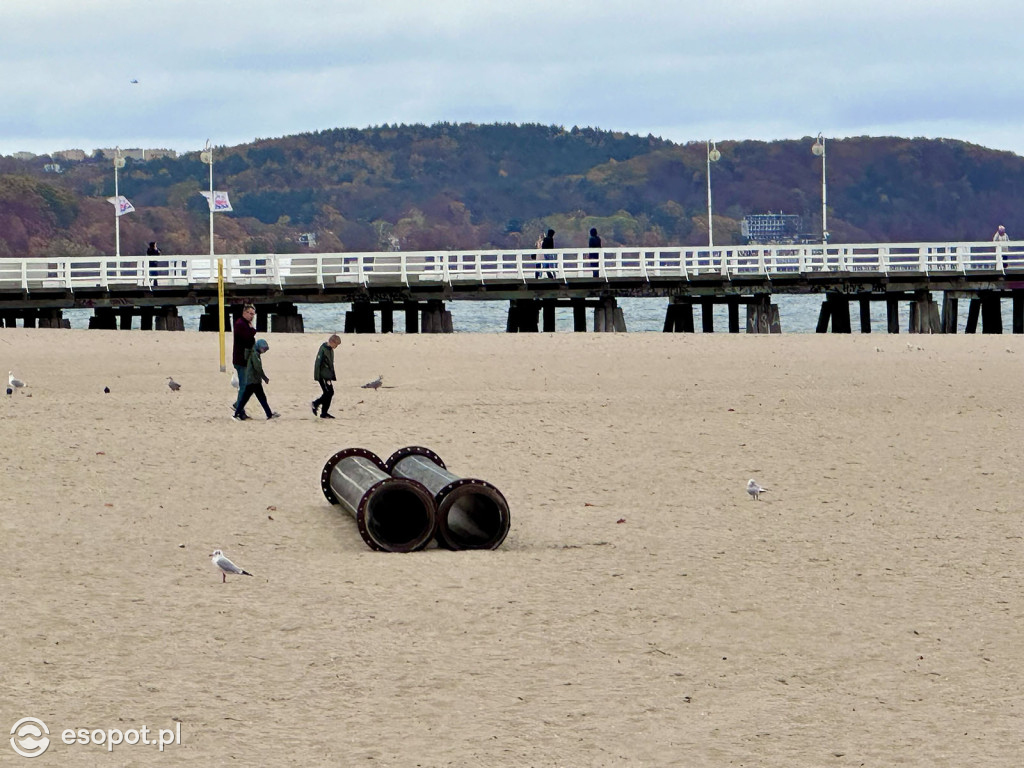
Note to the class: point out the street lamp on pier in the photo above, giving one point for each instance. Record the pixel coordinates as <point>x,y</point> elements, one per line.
<point>713,157</point>
<point>206,156</point>
<point>118,164</point>
<point>818,150</point>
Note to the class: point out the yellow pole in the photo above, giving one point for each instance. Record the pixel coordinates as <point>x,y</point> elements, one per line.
<point>220,310</point>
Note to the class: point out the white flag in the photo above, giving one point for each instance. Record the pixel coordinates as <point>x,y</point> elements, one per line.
<point>218,201</point>
<point>122,204</point>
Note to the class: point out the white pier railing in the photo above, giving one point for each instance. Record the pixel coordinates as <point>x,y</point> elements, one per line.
<point>527,266</point>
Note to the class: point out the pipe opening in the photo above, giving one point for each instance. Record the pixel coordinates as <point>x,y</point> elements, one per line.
<point>472,517</point>
<point>398,517</point>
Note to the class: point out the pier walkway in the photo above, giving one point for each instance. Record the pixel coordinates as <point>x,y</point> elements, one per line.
<point>36,290</point>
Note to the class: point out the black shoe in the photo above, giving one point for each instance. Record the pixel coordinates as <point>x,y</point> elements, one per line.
<point>326,416</point>
<point>274,415</point>
<point>240,417</point>
<point>315,407</point>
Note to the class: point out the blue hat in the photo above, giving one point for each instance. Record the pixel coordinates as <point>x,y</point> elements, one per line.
<point>261,345</point>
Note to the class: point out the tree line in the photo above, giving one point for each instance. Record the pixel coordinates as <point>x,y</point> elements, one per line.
<point>468,186</point>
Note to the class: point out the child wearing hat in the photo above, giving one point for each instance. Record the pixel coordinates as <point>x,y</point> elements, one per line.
<point>254,380</point>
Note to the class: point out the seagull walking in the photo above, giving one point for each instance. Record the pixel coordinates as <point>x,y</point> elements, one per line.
<point>14,383</point>
<point>375,384</point>
<point>226,566</point>
<point>754,489</point>
<point>175,386</point>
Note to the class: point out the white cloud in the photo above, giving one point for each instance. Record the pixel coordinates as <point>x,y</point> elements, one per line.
<point>234,70</point>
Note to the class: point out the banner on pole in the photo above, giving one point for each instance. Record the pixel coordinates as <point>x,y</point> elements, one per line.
<point>217,200</point>
<point>122,204</point>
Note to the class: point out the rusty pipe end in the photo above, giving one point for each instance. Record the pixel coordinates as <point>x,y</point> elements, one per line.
<point>411,450</point>
<point>396,515</point>
<point>471,514</point>
<point>325,475</point>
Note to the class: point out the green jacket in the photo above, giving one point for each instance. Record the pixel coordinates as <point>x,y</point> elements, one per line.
<point>323,368</point>
<point>254,367</point>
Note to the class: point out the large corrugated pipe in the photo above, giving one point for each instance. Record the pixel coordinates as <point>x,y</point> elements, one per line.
<point>393,514</point>
<point>471,514</point>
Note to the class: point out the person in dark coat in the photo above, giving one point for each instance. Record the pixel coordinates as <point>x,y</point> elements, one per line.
<point>255,378</point>
<point>152,251</point>
<point>323,374</point>
<point>548,244</point>
<point>595,242</point>
<point>243,336</point>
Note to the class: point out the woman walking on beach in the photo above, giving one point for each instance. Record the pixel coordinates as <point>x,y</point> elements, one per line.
<point>243,336</point>
<point>323,374</point>
<point>255,378</point>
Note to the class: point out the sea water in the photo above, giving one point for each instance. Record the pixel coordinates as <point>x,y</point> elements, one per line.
<point>797,314</point>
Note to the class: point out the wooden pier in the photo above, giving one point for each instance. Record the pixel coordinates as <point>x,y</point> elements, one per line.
<point>129,293</point>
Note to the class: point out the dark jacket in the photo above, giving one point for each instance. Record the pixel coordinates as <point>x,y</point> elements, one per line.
<point>595,241</point>
<point>244,336</point>
<point>254,368</point>
<point>323,368</point>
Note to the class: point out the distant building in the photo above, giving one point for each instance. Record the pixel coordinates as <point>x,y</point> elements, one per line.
<point>69,155</point>
<point>52,168</point>
<point>771,228</point>
<point>308,239</point>
<point>23,156</point>
<point>135,153</point>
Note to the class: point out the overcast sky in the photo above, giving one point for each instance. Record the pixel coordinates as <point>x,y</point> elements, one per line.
<point>235,70</point>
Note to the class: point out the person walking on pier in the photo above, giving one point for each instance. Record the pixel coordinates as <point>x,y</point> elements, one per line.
<point>243,336</point>
<point>323,374</point>
<point>1000,236</point>
<point>255,378</point>
<point>548,244</point>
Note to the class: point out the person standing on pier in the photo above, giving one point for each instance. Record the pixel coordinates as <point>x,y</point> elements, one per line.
<point>595,242</point>
<point>323,374</point>
<point>548,244</point>
<point>1000,236</point>
<point>243,337</point>
<point>151,252</point>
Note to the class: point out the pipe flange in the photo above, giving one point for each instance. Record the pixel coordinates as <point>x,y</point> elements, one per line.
<point>325,476</point>
<point>409,486</point>
<point>412,450</point>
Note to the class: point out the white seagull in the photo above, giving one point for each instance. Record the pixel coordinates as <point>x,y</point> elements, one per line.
<point>754,489</point>
<point>375,384</point>
<point>226,566</point>
<point>14,383</point>
<point>175,386</point>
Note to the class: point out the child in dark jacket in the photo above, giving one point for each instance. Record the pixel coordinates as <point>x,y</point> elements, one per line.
<point>323,374</point>
<point>254,380</point>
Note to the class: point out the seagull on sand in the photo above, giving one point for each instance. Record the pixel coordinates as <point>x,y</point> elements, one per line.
<point>14,383</point>
<point>175,386</point>
<point>375,384</point>
<point>754,489</point>
<point>226,566</point>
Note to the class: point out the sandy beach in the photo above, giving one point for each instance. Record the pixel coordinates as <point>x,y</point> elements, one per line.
<point>643,611</point>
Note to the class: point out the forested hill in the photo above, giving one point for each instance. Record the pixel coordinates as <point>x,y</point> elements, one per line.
<point>480,186</point>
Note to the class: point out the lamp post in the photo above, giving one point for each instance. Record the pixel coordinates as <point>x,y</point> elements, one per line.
<point>818,150</point>
<point>713,157</point>
<point>206,156</point>
<point>118,164</point>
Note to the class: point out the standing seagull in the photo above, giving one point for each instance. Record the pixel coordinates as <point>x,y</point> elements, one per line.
<point>755,490</point>
<point>14,383</point>
<point>175,386</point>
<point>226,566</point>
<point>375,384</point>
